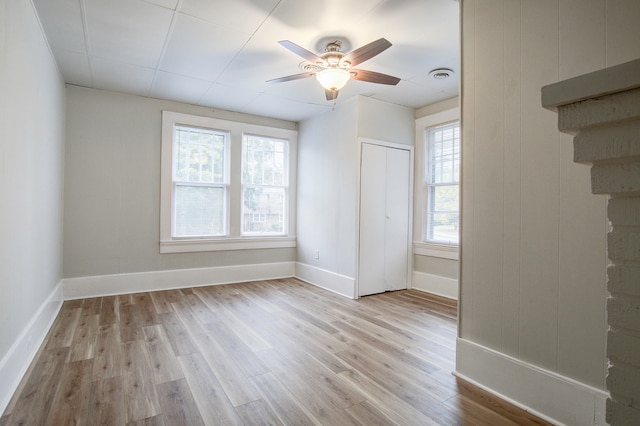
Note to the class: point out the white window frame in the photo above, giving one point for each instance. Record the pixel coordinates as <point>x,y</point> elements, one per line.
<point>233,240</point>
<point>420,246</point>
<point>430,186</point>
<point>284,186</point>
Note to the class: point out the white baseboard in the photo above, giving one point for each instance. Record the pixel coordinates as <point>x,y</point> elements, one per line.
<point>548,395</point>
<point>15,363</point>
<point>107,285</point>
<point>328,280</point>
<point>435,284</point>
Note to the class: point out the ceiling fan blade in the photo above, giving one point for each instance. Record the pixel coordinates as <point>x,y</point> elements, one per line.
<point>331,95</point>
<point>373,77</point>
<point>301,51</point>
<point>367,51</point>
<point>292,77</point>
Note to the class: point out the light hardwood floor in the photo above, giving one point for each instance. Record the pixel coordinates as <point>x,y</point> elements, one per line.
<point>268,352</point>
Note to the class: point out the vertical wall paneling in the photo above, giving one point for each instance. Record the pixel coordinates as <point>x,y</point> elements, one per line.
<point>533,281</point>
<point>582,273</point>
<point>622,17</point>
<point>466,324</point>
<point>488,179</point>
<point>540,188</point>
<point>512,150</point>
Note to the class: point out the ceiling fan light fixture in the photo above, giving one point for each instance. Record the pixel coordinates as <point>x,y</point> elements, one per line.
<point>333,78</point>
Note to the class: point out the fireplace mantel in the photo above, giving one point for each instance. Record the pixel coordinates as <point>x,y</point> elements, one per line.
<point>607,81</point>
<point>602,110</point>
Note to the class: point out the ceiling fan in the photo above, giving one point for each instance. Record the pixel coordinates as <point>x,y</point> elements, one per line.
<point>333,67</point>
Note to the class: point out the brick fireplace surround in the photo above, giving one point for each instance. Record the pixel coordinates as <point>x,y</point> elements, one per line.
<point>602,111</point>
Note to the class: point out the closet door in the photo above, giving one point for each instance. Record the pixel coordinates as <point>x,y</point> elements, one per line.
<point>373,193</point>
<point>384,219</point>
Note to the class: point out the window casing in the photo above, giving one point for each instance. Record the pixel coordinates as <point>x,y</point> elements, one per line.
<point>442,184</point>
<point>202,186</point>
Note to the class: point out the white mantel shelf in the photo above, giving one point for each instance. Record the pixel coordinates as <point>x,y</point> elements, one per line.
<point>602,110</point>
<point>618,78</point>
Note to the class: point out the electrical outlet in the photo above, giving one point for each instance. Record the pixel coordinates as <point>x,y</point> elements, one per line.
<point>316,254</point>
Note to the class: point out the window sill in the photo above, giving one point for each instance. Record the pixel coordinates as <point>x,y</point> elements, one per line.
<point>188,246</point>
<point>444,251</point>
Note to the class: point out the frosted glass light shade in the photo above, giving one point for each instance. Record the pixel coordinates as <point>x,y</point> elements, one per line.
<point>333,78</point>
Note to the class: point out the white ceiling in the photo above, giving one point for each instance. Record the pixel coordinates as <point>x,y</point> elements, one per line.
<point>219,53</point>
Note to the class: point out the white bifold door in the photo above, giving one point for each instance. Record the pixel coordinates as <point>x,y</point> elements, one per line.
<point>385,182</point>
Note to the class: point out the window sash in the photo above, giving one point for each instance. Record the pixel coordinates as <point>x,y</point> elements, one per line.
<point>199,155</point>
<point>185,218</point>
<point>441,179</point>
<point>265,183</point>
<point>442,224</point>
<point>200,162</point>
<point>443,154</point>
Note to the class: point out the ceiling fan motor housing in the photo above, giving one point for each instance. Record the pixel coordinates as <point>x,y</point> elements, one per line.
<point>332,55</point>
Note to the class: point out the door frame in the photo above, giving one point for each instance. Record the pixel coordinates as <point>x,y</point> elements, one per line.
<point>394,145</point>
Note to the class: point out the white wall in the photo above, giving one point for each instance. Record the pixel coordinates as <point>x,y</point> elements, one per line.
<point>327,173</point>
<point>32,115</point>
<point>328,169</point>
<point>112,188</point>
<point>533,284</point>
<point>384,121</point>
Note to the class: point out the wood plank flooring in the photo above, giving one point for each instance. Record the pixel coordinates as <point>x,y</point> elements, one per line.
<point>278,352</point>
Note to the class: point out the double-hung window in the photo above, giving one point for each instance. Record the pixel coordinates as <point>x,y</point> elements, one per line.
<point>224,185</point>
<point>200,182</point>
<point>442,182</point>
<point>264,185</point>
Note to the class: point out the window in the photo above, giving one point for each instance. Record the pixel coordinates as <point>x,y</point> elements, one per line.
<point>224,188</point>
<point>442,181</point>
<point>258,217</point>
<point>264,185</point>
<point>200,182</point>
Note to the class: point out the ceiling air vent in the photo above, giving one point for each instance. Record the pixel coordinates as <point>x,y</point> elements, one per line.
<point>441,73</point>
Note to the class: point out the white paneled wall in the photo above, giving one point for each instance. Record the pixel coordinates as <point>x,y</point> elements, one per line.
<point>533,283</point>
<point>540,197</point>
